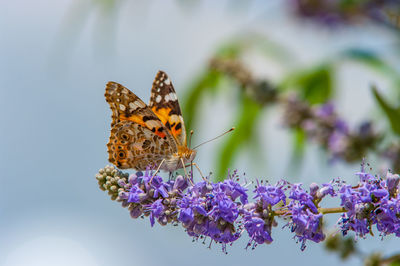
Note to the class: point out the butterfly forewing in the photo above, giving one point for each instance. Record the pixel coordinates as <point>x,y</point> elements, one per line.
<point>164,103</point>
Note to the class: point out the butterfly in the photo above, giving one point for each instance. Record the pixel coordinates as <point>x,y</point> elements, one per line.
<point>147,135</point>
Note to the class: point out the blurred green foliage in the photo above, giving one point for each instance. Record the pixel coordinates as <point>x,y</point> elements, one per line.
<point>343,246</point>
<point>392,113</point>
<point>248,115</point>
<point>207,82</point>
<point>315,85</point>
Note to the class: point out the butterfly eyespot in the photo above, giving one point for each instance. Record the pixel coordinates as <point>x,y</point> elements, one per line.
<point>121,154</point>
<point>125,136</point>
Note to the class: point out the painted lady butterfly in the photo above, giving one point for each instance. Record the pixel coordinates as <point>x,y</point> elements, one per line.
<point>144,135</point>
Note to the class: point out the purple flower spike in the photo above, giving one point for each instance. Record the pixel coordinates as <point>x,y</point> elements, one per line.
<point>270,195</point>
<point>299,194</point>
<point>234,190</point>
<point>327,189</point>
<point>259,231</point>
<point>223,208</point>
<point>156,210</point>
<point>134,194</point>
<point>222,211</point>
<point>392,183</point>
<point>306,225</point>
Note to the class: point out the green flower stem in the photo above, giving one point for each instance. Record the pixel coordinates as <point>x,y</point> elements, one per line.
<point>332,210</point>
<point>320,210</point>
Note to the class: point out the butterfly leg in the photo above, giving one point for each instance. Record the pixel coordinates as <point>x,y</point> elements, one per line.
<point>186,174</point>
<point>158,169</point>
<point>198,169</point>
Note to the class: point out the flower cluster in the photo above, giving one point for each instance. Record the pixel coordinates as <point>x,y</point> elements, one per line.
<point>259,216</point>
<point>222,211</point>
<point>306,221</point>
<point>373,201</point>
<point>322,124</point>
<point>212,210</point>
<point>261,91</point>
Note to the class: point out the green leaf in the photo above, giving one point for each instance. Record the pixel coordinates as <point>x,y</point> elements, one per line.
<point>392,113</point>
<point>299,141</point>
<point>207,82</point>
<point>364,56</point>
<point>315,85</point>
<point>248,114</point>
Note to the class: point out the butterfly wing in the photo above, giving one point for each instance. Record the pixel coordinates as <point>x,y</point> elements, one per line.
<point>138,137</point>
<point>164,103</point>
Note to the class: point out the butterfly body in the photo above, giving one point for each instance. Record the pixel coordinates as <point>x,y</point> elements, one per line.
<point>143,136</point>
<point>174,161</point>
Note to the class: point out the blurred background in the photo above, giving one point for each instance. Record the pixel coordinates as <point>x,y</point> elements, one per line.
<point>233,63</point>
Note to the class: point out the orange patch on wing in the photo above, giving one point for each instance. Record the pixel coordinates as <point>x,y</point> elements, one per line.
<point>139,120</point>
<point>161,113</point>
<point>133,118</point>
<point>160,134</point>
<point>176,132</point>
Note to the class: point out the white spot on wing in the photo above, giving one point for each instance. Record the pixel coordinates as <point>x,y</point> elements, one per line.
<point>167,81</point>
<point>158,99</point>
<point>124,91</point>
<point>175,118</point>
<point>122,107</point>
<point>132,106</point>
<point>172,96</point>
<point>140,104</point>
<point>167,98</point>
<point>153,123</point>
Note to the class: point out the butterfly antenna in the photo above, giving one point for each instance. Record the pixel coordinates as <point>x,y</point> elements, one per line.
<point>226,132</point>
<point>190,137</point>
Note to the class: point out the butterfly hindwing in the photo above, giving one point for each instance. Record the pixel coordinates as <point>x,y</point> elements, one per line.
<point>138,137</point>
<point>164,103</point>
<point>132,145</point>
